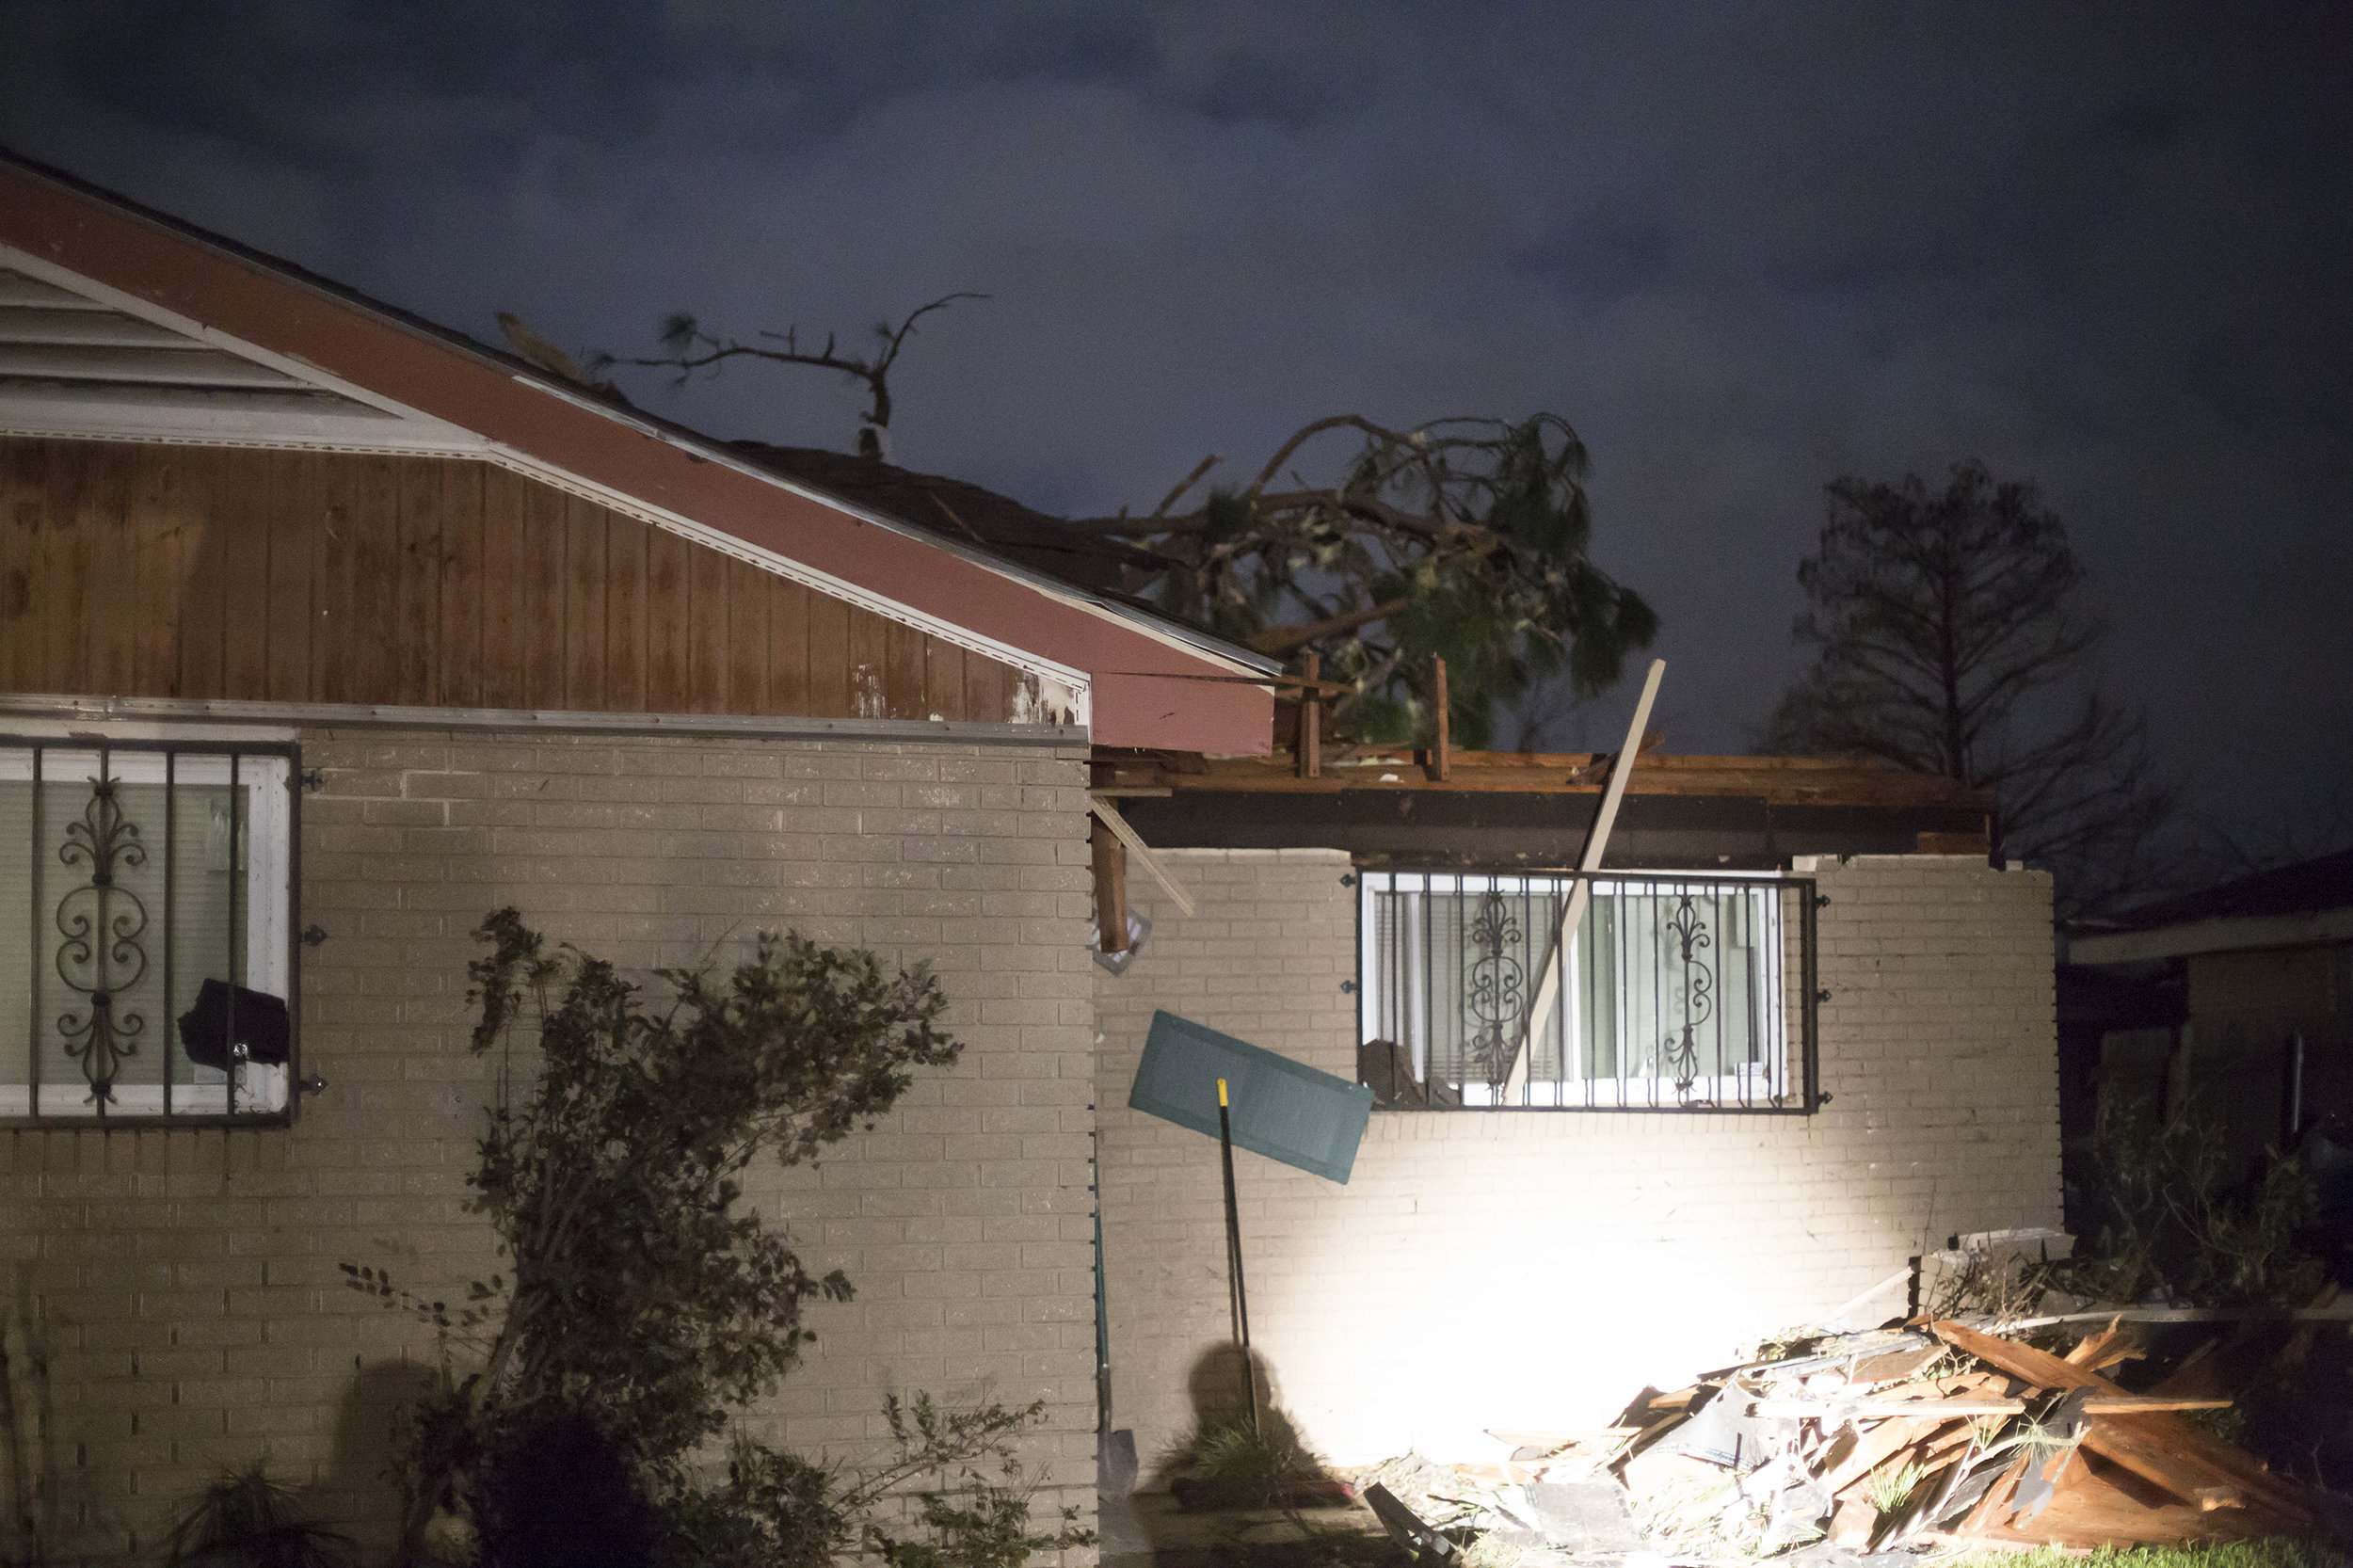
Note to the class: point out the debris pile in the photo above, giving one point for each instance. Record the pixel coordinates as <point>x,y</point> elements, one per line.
<point>1937,1434</point>
<point>1952,1436</point>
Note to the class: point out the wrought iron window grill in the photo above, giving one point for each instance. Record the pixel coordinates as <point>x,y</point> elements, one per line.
<point>148,955</point>
<point>1672,993</point>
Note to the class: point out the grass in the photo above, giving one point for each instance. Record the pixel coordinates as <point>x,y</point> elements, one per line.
<point>1234,1467</point>
<point>2274,1553</point>
<point>1889,1490</point>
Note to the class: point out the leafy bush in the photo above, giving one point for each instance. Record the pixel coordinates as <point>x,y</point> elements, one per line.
<point>644,1309</point>
<point>780,1510</point>
<point>2179,1224</point>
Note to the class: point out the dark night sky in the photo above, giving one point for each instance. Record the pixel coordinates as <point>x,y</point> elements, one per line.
<point>1742,248</point>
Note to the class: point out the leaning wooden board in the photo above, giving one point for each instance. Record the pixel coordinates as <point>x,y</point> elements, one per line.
<point>2161,1448</point>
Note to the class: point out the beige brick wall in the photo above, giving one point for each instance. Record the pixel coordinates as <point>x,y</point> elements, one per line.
<point>186,1283</point>
<point>1535,1270</point>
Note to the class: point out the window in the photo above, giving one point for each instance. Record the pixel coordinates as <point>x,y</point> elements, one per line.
<point>1671,993</point>
<point>146,930</point>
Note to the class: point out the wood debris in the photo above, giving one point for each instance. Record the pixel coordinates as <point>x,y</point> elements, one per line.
<point>1935,1434</point>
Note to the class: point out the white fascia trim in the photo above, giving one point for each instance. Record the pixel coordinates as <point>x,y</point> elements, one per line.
<point>2240,933</point>
<point>56,718</point>
<point>47,715</point>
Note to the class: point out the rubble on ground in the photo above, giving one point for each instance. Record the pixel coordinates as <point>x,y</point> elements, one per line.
<point>1934,1435</point>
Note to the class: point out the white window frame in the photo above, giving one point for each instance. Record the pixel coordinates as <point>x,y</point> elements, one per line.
<point>1780,1079</point>
<point>267,774</point>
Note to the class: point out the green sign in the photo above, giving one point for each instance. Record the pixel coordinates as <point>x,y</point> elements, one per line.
<point>1281,1108</point>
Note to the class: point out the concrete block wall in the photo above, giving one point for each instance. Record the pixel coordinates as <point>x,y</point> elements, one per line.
<point>185,1284</point>
<point>1537,1269</point>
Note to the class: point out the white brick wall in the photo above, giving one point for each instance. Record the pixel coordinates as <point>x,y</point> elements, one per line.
<point>186,1283</point>
<point>1535,1270</point>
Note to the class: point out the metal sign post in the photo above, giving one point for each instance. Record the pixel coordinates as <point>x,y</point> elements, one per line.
<point>1237,1299</point>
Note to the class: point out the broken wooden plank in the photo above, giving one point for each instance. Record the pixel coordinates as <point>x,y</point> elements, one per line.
<point>1894,1366</point>
<point>2333,1311</point>
<point>2193,1465</point>
<point>1111,888</point>
<point>1996,1505</point>
<point>1852,1525</point>
<point>1879,1409</point>
<point>2088,1347</point>
<point>2096,1506</point>
<point>1107,814</point>
<point>1873,1449</point>
<point>1549,977</point>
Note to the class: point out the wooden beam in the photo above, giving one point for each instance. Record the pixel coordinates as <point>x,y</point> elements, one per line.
<point>1106,815</point>
<point>1552,978</point>
<point>1880,1410</point>
<point>1110,888</point>
<point>2162,1448</point>
<point>1446,721</point>
<point>1312,722</point>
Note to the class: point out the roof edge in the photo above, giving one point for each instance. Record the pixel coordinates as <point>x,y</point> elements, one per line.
<point>695,443</point>
<point>2232,933</point>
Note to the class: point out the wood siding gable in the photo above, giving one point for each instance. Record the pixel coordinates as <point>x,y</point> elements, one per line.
<point>135,570</point>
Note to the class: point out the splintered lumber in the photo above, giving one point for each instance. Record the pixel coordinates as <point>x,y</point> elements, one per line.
<point>1656,1469</point>
<point>1851,1526</point>
<point>2091,1347</point>
<point>1894,1366</point>
<point>1874,1448</point>
<point>1881,1410</point>
<point>1996,1505</point>
<point>1875,1409</point>
<point>2098,1506</point>
<point>1934,1454</point>
<point>2159,1447</point>
<point>1550,1441</point>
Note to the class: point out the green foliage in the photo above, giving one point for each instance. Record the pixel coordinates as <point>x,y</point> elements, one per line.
<point>1889,1488</point>
<point>972,1500</point>
<point>2178,1223</point>
<point>246,1520</point>
<point>1465,538</point>
<point>977,1514</point>
<point>28,1444</point>
<point>642,1298</point>
<point>1230,1464</point>
<point>2276,1552</point>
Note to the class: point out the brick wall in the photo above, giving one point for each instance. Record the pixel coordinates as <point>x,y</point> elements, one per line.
<point>185,1284</point>
<point>1534,1269</point>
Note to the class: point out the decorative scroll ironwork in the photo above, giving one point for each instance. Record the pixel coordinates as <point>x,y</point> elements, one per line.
<point>102,922</point>
<point>1698,994</point>
<point>1495,988</point>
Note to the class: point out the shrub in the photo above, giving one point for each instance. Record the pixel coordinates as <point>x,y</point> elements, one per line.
<point>644,1309</point>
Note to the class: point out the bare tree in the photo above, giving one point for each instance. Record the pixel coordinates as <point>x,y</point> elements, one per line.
<point>1464,539</point>
<point>692,348</point>
<point>1954,634</point>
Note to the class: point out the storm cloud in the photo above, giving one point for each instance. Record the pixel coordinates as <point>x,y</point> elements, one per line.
<point>1742,249</point>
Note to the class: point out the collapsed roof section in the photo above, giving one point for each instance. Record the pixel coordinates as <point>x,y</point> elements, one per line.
<point>1533,810</point>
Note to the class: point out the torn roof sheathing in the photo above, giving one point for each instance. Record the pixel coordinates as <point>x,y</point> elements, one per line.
<point>1533,810</point>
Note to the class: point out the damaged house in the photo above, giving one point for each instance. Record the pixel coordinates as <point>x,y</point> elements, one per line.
<point>366,631</point>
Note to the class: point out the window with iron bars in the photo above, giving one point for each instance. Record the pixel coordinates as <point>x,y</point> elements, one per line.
<point>1668,992</point>
<point>147,947</point>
